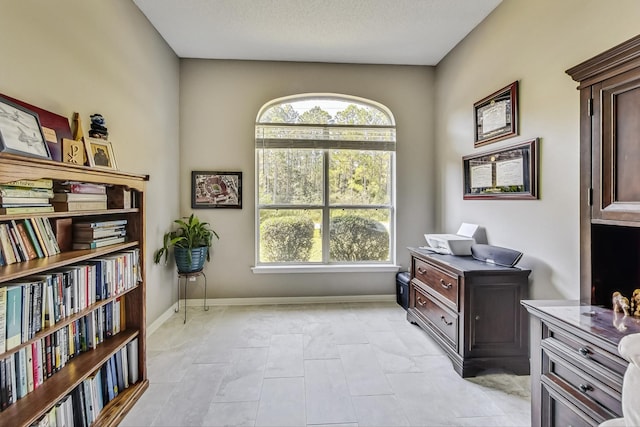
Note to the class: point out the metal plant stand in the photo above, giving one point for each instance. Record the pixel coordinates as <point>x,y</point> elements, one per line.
<point>191,277</point>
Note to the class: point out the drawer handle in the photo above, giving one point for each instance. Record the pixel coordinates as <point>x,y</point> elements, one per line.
<point>445,321</point>
<point>585,388</point>
<point>445,285</point>
<point>421,270</point>
<point>584,352</point>
<point>420,302</point>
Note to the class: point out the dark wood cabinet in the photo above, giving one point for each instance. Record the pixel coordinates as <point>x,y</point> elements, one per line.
<point>576,371</point>
<point>609,87</point>
<point>472,309</point>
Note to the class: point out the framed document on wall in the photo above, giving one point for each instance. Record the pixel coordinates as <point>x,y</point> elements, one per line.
<point>496,116</point>
<point>508,173</point>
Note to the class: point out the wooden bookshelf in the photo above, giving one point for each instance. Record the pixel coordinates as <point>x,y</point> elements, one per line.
<point>35,404</point>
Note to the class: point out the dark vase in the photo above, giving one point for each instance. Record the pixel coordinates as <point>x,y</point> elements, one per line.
<point>198,257</point>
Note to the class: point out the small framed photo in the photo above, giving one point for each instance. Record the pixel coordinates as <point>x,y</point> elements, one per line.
<point>216,190</point>
<point>20,131</point>
<point>508,173</point>
<point>100,153</point>
<point>496,116</point>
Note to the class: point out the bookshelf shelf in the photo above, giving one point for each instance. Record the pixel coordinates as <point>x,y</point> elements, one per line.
<point>71,214</point>
<point>37,266</point>
<point>37,403</point>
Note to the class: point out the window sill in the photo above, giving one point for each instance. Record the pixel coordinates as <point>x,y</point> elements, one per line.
<point>362,268</point>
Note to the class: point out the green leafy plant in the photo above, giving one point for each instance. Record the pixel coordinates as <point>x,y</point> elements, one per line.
<point>354,238</point>
<point>287,238</point>
<point>191,233</point>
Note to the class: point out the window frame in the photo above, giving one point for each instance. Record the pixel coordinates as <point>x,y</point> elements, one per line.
<point>326,208</point>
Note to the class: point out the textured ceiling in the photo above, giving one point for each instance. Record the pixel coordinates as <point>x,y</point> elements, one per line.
<point>410,32</point>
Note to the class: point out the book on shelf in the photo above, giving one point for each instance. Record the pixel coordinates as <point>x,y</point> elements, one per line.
<point>118,198</point>
<point>29,356</point>
<point>80,206</point>
<point>27,242</point>
<point>95,234</point>
<point>48,234</point>
<point>3,385</point>
<point>26,311</point>
<point>26,254</point>
<point>99,243</point>
<point>38,374</point>
<point>23,201</point>
<point>36,229</point>
<point>80,187</point>
<point>14,316</point>
<point>5,243</point>
<point>132,359</point>
<point>15,210</point>
<point>3,318</point>
<point>31,183</point>
<point>33,238</point>
<point>14,244</point>
<point>78,197</point>
<point>29,192</point>
<point>20,360</point>
<point>98,224</point>
<point>11,381</point>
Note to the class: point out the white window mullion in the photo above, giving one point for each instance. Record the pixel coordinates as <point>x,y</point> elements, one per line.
<point>325,209</point>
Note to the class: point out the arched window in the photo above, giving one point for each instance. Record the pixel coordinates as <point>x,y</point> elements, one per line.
<point>325,167</point>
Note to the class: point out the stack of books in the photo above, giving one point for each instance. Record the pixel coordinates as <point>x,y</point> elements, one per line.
<point>92,235</point>
<point>26,196</point>
<point>79,196</point>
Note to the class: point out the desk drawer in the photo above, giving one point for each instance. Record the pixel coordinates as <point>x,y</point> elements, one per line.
<point>604,366</point>
<point>441,282</point>
<point>442,319</point>
<point>560,410</point>
<point>580,381</point>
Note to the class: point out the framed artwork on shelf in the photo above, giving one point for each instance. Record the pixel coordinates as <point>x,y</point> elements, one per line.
<point>100,153</point>
<point>73,152</point>
<point>496,116</point>
<point>20,131</point>
<point>508,173</point>
<point>216,190</point>
<point>54,127</point>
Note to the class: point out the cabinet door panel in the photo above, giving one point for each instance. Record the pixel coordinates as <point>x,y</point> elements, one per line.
<point>617,183</point>
<point>496,320</point>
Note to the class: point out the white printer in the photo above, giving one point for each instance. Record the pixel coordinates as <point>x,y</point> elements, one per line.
<point>453,244</point>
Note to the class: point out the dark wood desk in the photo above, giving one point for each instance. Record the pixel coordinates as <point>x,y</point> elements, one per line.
<point>472,309</point>
<point>576,371</point>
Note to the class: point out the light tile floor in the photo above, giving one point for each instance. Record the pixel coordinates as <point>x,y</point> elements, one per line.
<point>345,364</point>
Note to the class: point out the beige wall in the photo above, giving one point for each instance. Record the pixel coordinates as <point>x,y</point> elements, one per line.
<point>219,101</point>
<point>104,56</point>
<point>533,42</point>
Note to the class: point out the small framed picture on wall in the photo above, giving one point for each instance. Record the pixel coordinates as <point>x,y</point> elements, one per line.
<point>210,189</point>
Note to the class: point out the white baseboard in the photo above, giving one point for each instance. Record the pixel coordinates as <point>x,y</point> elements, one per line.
<point>292,300</point>
<point>160,320</point>
<point>268,301</point>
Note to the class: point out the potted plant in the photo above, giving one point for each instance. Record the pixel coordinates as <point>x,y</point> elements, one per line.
<point>191,243</point>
